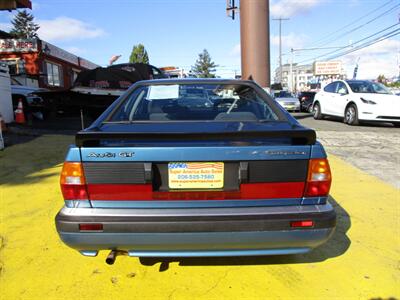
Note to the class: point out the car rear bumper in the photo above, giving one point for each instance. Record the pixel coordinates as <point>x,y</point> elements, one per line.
<point>294,107</point>
<point>197,232</point>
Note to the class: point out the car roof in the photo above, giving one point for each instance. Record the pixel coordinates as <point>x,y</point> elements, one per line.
<point>195,81</point>
<point>355,81</point>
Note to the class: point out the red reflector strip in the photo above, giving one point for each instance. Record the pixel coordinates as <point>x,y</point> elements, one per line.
<point>90,227</point>
<point>143,192</point>
<point>297,224</point>
<point>120,191</point>
<point>273,190</point>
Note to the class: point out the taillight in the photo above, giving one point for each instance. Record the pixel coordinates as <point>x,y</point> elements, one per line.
<point>318,179</point>
<point>72,181</point>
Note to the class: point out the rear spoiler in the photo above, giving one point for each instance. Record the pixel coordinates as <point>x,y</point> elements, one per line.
<point>94,138</point>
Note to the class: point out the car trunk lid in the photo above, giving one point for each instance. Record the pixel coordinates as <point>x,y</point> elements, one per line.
<point>125,163</point>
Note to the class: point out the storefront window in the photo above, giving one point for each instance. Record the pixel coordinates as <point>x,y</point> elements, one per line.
<point>15,66</point>
<point>54,74</point>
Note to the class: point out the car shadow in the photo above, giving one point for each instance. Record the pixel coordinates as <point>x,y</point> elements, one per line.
<point>36,146</point>
<point>301,117</point>
<point>364,124</point>
<point>29,158</point>
<point>336,246</point>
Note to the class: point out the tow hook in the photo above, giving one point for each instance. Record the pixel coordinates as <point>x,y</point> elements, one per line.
<point>110,260</point>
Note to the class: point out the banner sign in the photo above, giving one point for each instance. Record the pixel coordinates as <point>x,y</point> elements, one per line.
<point>333,67</point>
<point>18,45</point>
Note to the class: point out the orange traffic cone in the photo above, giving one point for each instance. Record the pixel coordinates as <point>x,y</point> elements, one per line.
<point>2,124</point>
<point>19,113</point>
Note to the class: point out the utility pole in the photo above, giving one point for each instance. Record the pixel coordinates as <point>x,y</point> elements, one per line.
<point>280,45</point>
<point>254,41</point>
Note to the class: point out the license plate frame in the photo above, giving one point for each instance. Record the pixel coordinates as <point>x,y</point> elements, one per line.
<point>195,175</point>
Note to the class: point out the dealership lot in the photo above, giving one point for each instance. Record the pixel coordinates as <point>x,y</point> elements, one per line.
<point>359,262</point>
<point>373,148</point>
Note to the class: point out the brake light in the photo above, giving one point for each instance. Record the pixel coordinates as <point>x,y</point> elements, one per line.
<point>72,181</point>
<point>318,178</point>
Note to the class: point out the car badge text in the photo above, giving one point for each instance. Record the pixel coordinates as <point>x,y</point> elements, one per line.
<point>111,154</point>
<point>285,152</point>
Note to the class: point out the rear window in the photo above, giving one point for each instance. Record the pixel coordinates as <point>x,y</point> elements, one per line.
<point>194,102</point>
<point>283,94</point>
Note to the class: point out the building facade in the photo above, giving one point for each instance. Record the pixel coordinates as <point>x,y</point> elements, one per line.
<point>37,63</point>
<point>304,76</point>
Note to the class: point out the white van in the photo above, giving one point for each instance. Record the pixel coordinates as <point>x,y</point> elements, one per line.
<point>6,107</point>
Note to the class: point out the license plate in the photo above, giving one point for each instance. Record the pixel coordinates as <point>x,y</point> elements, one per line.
<point>196,175</point>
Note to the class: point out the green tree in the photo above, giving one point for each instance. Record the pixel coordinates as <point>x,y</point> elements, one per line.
<point>139,55</point>
<point>23,26</point>
<point>204,66</point>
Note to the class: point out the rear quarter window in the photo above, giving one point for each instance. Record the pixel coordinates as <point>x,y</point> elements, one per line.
<point>330,88</point>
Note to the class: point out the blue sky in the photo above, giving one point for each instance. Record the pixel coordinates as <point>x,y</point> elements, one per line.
<point>175,31</point>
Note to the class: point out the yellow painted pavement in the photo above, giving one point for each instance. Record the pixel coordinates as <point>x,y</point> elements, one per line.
<point>361,261</point>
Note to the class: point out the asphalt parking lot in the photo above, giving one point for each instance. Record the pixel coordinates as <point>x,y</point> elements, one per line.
<point>361,261</point>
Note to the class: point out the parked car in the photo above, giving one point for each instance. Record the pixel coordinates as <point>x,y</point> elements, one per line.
<point>32,102</point>
<point>306,100</point>
<point>155,175</point>
<point>287,100</point>
<point>94,90</point>
<point>356,101</point>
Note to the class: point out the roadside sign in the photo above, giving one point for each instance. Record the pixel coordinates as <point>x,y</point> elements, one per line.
<point>333,67</point>
<point>18,45</point>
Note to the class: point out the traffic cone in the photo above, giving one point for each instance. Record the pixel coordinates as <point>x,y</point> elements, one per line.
<point>2,124</point>
<point>19,113</point>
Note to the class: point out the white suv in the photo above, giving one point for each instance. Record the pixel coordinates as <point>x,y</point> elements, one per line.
<point>357,100</point>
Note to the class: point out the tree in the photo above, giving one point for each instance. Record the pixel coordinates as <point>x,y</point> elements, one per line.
<point>139,55</point>
<point>381,78</point>
<point>23,26</point>
<point>204,66</point>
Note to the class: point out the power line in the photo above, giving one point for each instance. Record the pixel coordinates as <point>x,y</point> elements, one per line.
<point>362,25</point>
<point>353,22</point>
<point>369,43</point>
<point>352,45</point>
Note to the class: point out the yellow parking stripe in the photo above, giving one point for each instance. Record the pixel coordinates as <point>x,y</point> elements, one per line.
<point>361,261</point>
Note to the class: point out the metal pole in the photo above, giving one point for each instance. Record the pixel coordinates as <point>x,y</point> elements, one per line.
<point>280,50</point>
<point>280,46</point>
<point>254,32</point>
<point>290,79</point>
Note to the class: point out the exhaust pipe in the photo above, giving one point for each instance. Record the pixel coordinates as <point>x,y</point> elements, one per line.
<point>112,256</point>
<point>110,260</point>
